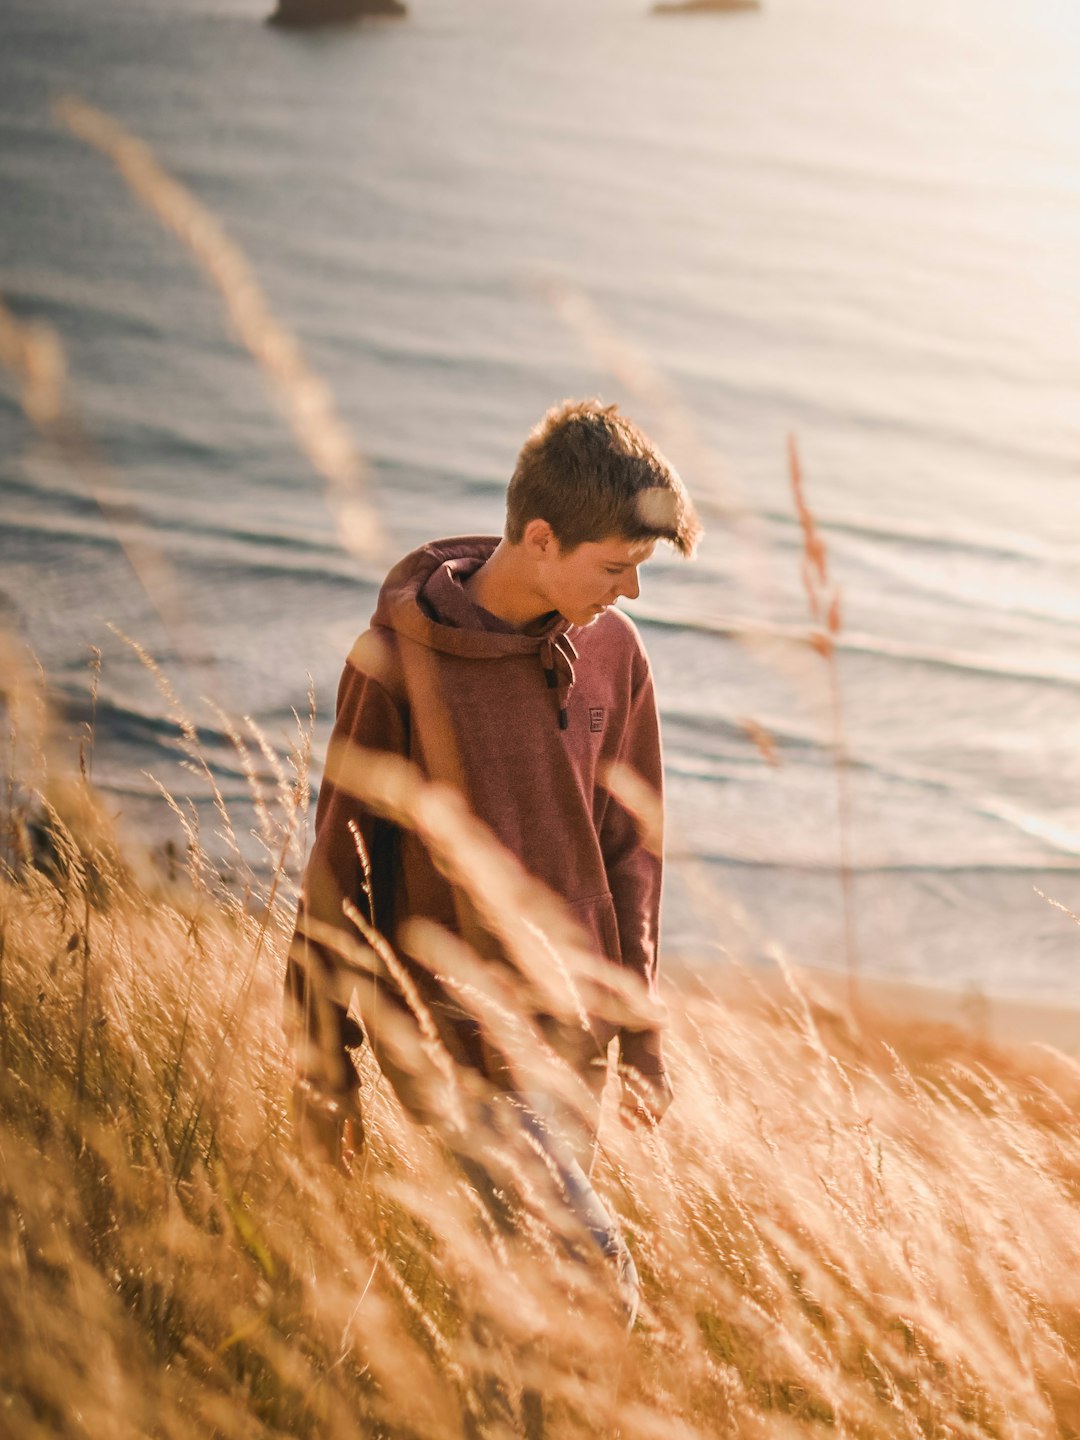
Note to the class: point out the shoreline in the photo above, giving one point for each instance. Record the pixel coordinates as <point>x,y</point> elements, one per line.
<point>1009,1022</point>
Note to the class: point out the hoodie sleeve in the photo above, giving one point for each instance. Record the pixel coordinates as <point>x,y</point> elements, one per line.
<point>317,988</point>
<point>634,869</point>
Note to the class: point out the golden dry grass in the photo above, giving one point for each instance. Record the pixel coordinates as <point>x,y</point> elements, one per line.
<point>843,1226</point>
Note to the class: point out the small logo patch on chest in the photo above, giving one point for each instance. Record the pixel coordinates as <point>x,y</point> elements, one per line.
<point>596,717</point>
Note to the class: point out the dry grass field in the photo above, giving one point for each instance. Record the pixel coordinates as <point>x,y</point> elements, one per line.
<point>845,1225</point>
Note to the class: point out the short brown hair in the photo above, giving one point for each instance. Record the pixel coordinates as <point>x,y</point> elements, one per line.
<point>592,474</point>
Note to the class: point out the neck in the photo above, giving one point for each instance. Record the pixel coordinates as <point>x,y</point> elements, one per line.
<point>503,586</point>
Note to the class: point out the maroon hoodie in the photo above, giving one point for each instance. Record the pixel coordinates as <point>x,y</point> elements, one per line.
<point>522,725</point>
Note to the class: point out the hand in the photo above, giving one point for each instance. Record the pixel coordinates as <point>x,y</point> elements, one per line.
<point>644,1098</point>
<point>329,1127</point>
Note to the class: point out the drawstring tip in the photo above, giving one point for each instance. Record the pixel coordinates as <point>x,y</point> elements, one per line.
<point>564,718</point>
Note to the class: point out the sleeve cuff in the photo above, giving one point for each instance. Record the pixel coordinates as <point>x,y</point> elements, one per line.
<point>642,1051</point>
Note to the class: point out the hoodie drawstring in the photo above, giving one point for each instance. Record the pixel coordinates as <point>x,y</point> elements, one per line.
<point>551,652</point>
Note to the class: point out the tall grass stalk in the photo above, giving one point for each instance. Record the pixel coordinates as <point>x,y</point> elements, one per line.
<point>824,601</point>
<point>305,399</point>
<point>33,355</point>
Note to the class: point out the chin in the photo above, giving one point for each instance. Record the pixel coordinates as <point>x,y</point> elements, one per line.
<point>590,617</point>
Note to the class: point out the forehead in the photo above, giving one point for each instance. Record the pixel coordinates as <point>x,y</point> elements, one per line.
<point>617,551</point>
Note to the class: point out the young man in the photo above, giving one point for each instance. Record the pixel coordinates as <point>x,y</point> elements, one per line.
<point>500,667</point>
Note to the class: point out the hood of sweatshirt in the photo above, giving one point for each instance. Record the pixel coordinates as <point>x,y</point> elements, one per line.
<point>424,599</point>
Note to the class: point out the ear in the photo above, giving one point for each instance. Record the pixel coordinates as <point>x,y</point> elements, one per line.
<point>539,539</point>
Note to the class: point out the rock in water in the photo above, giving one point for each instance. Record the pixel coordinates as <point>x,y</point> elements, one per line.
<point>299,14</point>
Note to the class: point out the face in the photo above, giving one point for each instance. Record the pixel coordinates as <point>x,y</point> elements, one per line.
<point>582,583</point>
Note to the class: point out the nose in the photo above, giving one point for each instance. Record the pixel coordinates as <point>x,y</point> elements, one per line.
<point>630,586</point>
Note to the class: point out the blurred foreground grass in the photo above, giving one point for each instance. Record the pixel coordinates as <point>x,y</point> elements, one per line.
<point>844,1225</point>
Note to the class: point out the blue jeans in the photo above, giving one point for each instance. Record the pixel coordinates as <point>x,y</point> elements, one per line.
<point>562,1143</point>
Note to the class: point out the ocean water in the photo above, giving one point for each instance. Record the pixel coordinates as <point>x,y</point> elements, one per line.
<point>858,224</point>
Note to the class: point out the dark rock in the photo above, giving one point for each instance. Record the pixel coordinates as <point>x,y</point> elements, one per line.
<point>301,14</point>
